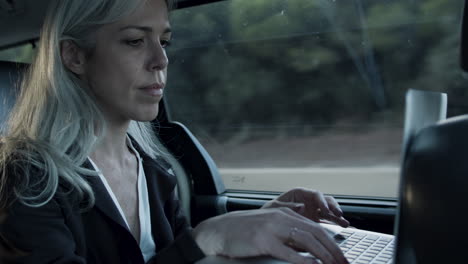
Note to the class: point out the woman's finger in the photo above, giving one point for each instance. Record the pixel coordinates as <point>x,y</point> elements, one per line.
<point>291,214</point>
<point>322,203</point>
<point>306,241</point>
<point>311,204</point>
<point>334,206</point>
<point>337,220</point>
<point>336,214</point>
<point>329,243</point>
<point>283,252</point>
<point>296,207</point>
<point>298,222</point>
<point>312,201</point>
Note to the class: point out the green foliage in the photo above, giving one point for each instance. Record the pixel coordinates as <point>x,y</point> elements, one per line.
<point>243,64</point>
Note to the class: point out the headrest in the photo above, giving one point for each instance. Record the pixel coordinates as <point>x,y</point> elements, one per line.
<point>10,74</point>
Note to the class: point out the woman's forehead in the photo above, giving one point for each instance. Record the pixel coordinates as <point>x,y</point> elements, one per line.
<point>151,14</point>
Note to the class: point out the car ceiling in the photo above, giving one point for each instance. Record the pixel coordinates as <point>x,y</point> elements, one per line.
<point>20,20</point>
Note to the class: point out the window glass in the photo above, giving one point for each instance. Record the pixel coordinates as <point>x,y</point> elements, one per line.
<point>23,53</point>
<point>307,93</point>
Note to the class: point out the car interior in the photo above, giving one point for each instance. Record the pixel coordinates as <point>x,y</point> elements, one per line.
<point>268,95</point>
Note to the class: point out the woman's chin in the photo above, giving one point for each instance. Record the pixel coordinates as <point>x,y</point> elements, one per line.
<point>146,116</point>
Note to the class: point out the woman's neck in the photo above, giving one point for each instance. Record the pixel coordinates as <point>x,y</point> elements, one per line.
<point>113,146</point>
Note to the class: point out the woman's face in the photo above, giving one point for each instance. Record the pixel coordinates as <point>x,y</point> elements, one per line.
<point>127,70</point>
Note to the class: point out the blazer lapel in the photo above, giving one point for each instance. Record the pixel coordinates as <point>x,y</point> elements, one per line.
<point>160,187</point>
<point>104,202</point>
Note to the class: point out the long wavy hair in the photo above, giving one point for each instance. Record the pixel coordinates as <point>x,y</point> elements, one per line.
<point>56,122</point>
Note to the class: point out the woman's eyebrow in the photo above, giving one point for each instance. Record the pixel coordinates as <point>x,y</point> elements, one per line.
<point>144,28</point>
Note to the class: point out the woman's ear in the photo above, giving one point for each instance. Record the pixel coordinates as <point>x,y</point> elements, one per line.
<point>73,57</point>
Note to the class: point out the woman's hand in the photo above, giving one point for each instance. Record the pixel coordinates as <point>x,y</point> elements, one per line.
<point>311,204</point>
<point>277,232</point>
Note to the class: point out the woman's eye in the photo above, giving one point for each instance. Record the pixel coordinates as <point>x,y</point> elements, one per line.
<point>135,42</point>
<point>165,43</point>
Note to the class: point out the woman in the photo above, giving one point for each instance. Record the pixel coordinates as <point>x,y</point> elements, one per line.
<point>82,180</point>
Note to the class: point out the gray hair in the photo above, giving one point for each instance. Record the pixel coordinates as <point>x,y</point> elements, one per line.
<point>55,121</point>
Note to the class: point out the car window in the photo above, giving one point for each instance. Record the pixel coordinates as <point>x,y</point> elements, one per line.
<point>310,93</point>
<point>21,53</point>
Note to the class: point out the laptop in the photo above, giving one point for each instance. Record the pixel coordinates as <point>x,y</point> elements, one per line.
<point>422,109</point>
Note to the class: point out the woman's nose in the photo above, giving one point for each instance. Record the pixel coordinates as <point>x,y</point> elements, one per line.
<point>159,60</point>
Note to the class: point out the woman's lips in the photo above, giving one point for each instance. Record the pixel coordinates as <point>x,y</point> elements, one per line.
<point>153,89</point>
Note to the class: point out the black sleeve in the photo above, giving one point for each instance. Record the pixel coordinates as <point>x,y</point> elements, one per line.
<point>183,249</point>
<point>41,233</point>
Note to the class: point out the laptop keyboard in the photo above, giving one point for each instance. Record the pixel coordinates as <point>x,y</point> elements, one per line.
<point>363,248</point>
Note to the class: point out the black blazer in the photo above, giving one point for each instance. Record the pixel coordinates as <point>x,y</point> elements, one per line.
<point>59,233</point>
